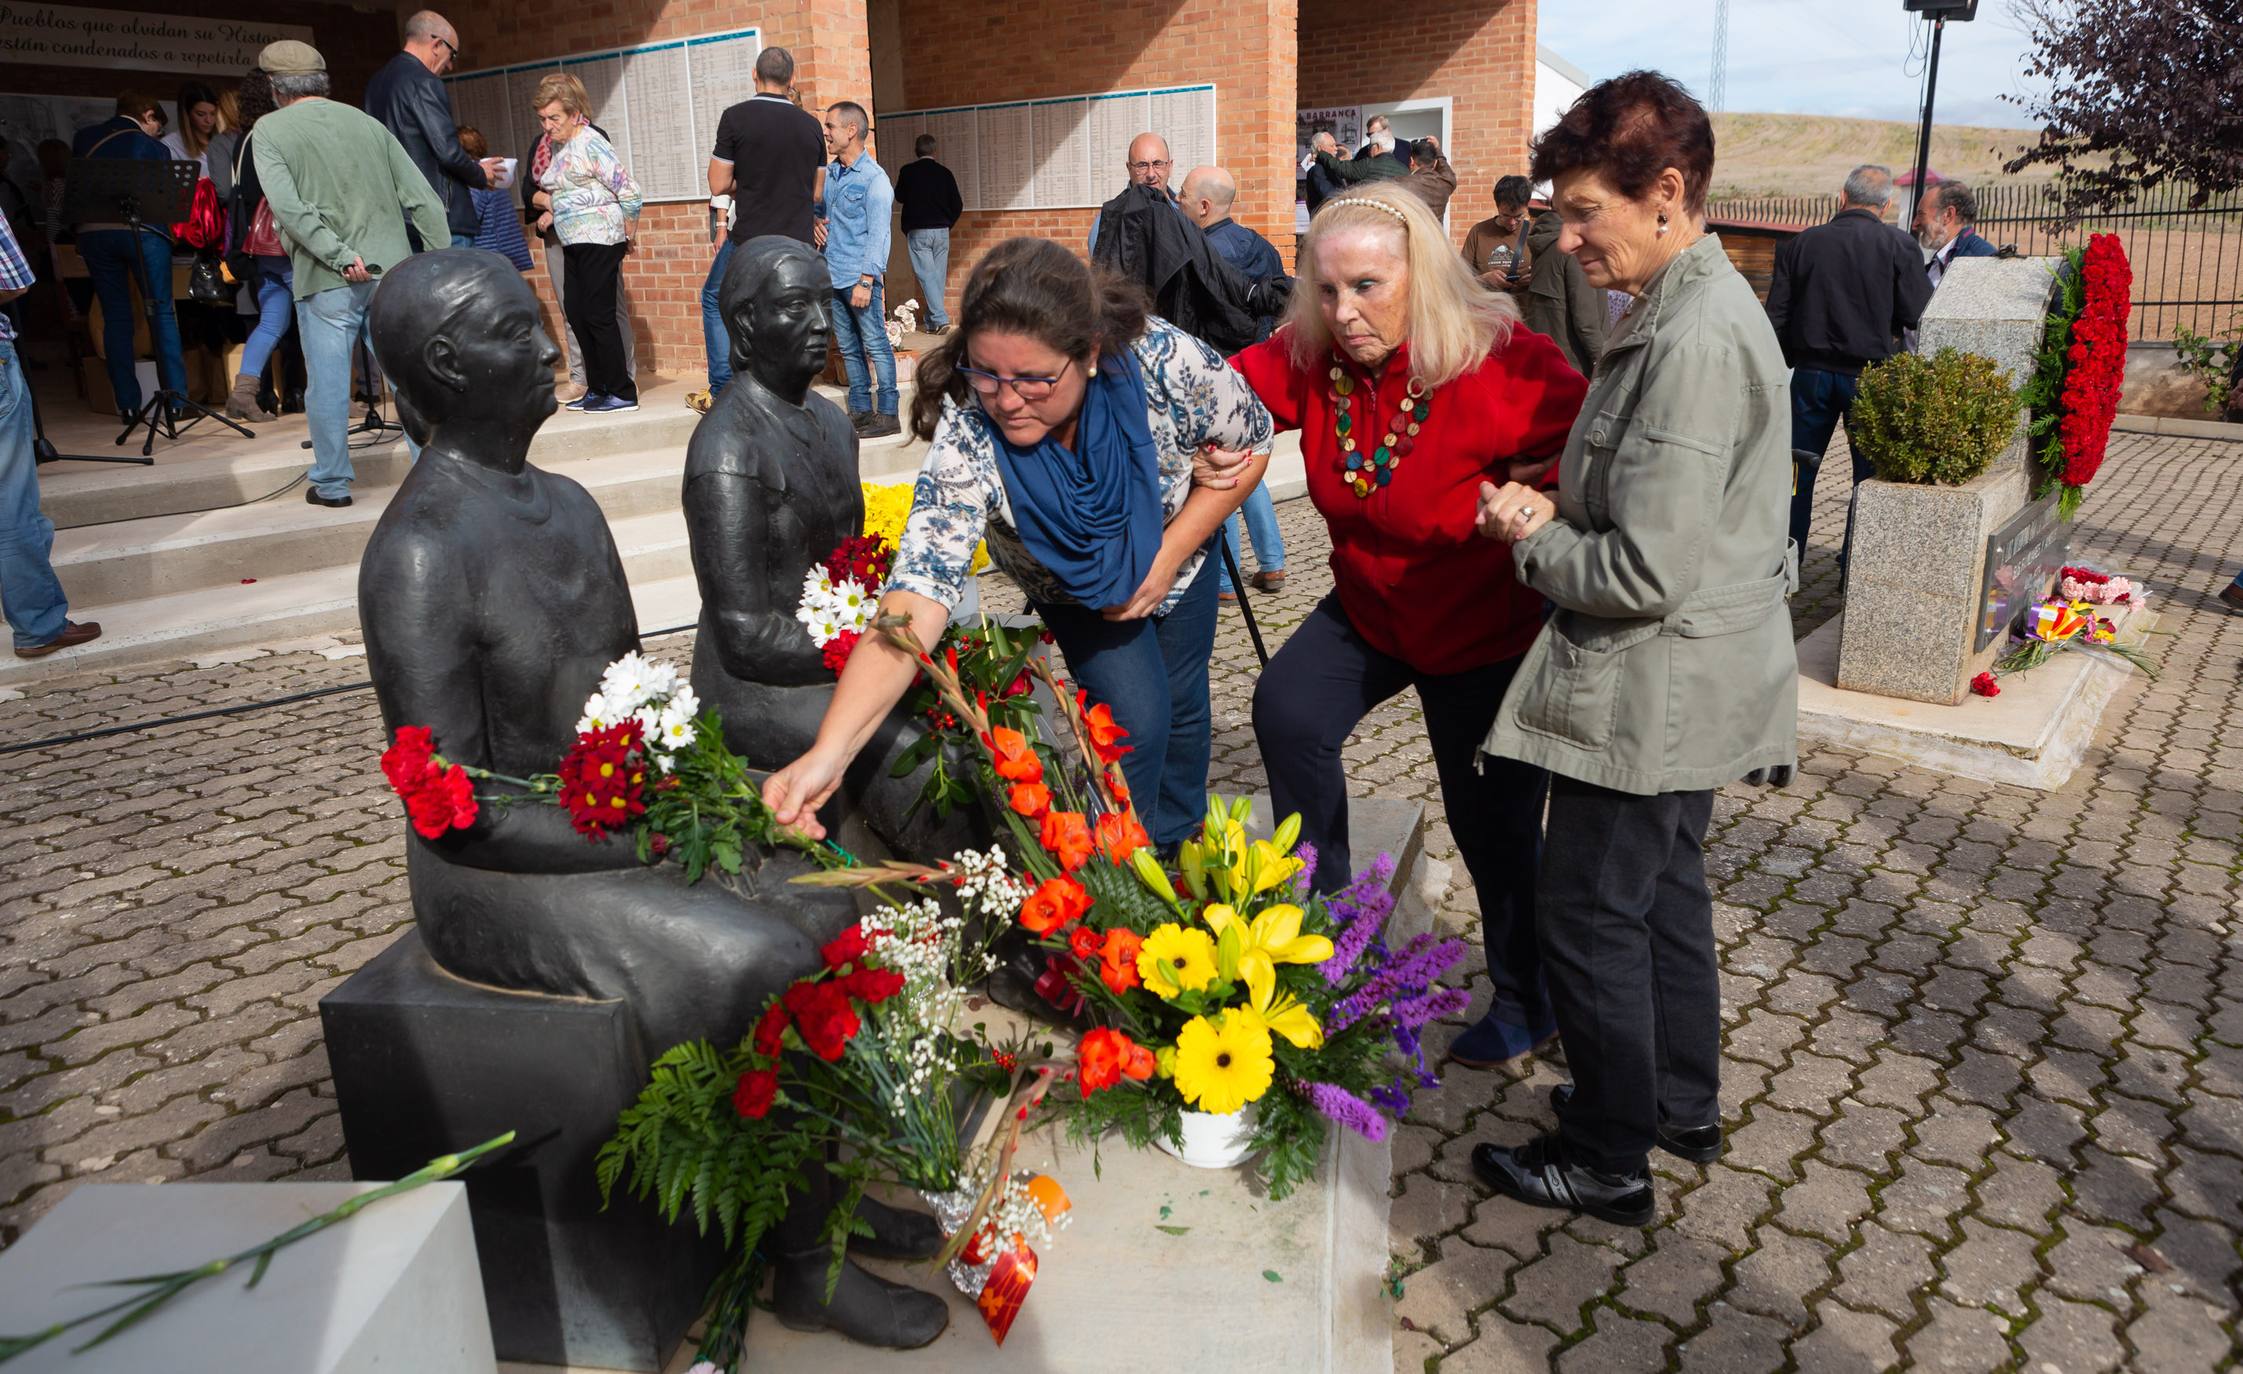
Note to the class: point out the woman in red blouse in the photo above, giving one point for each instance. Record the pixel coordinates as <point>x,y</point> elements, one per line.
<point>1411,384</point>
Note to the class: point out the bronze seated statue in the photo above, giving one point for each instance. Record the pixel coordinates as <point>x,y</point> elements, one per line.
<point>492,596</point>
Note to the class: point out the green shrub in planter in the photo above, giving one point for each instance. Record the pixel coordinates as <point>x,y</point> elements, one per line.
<point>1942,419</point>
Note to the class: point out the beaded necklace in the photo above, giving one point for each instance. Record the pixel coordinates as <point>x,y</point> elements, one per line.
<point>1367,472</point>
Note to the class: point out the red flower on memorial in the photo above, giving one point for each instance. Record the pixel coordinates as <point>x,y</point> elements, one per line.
<point>1121,835</point>
<point>837,651</point>
<point>1085,944</point>
<point>1053,905</point>
<point>1985,686</point>
<point>824,1016</point>
<point>753,1095</point>
<point>438,797</point>
<point>849,947</point>
<point>2094,369</point>
<point>872,985</point>
<point>1067,835</point>
<point>865,559</point>
<point>770,1032</point>
<point>603,779</point>
<point>1030,799</point>
<point>1107,1057</point>
<point>1014,758</point>
<point>1105,736</point>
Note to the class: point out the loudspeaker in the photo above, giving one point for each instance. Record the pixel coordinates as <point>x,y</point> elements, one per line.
<point>1961,11</point>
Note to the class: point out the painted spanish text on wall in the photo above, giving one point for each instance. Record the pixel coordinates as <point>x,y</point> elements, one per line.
<point>70,36</point>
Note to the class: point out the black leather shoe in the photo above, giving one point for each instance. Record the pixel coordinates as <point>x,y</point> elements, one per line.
<point>313,498</point>
<point>896,1234</point>
<point>865,1307</point>
<point>1699,1144</point>
<point>880,427</point>
<point>858,419</point>
<point>1538,1174</point>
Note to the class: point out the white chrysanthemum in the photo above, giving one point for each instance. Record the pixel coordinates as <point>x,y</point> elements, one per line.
<point>628,682</point>
<point>599,713</point>
<point>661,678</point>
<point>650,722</point>
<point>675,731</point>
<point>665,763</point>
<point>683,703</point>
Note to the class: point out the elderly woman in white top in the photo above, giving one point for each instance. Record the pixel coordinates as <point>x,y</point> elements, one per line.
<point>594,202</point>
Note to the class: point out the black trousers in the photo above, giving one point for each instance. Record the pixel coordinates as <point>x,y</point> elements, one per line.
<point>1318,688</point>
<point>1627,942</point>
<point>589,286</point>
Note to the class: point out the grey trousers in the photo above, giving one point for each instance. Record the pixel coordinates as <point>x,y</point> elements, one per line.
<point>1626,926</point>
<point>556,271</point>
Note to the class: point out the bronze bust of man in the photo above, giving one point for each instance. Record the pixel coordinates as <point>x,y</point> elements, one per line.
<point>771,487</point>
<point>492,596</point>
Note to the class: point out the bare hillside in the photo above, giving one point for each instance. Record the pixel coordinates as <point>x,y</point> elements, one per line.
<point>1782,154</point>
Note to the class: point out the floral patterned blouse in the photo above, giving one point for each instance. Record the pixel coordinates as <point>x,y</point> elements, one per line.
<point>594,198</point>
<point>1193,398</point>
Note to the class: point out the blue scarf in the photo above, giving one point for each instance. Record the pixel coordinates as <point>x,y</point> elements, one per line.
<point>1092,515</point>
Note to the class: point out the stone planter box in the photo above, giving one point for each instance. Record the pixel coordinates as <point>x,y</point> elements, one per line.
<point>1913,584</point>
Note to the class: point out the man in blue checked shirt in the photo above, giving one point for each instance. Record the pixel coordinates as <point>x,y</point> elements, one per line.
<point>29,592</point>
<point>853,227</point>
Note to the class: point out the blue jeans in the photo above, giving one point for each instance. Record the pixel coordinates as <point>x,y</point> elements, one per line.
<point>714,338</point>
<point>1153,674</point>
<point>930,263</point>
<point>275,307</point>
<point>463,240</point>
<point>330,323</point>
<point>109,255</point>
<point>862,337</point>
<point>1261,524</point>
<point>1819,400</point>
<point>29,591</point>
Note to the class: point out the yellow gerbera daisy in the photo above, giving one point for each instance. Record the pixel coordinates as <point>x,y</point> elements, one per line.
<point>1175,960</point>
<point>1224,1063</point>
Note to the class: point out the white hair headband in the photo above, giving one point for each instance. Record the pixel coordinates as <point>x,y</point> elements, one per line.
<point>1378,205</point>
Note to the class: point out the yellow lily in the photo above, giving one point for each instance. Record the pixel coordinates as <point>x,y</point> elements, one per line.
<point>1281,1013</point>
<point>1273,937</point>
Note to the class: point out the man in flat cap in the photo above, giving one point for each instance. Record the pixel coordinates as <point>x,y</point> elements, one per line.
<point>342,190</point>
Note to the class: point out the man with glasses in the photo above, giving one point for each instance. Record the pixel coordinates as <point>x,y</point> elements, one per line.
<point>409,100</point>
<point>1148,164</point>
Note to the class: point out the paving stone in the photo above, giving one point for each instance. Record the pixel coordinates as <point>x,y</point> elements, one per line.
<point>1886,1269</point>
<point>1735,1342</point>
<point>1504,1347</point>
<point>1618,1345</point>
<point>2179,1332</point>
<point>2091,1263</point>
<point>1959,1339</point>
<point>1553,1289</point>
<point>1991,1268</point>
<point>2072,1337</point>
<point>1439,1297</point>
<point>1828,1202</point>
<point>1847,1342</point>
<point>1678,1273</point>
<point>1775,1277</point>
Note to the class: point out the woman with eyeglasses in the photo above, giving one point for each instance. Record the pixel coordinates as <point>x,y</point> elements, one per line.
<point>1064,420</point>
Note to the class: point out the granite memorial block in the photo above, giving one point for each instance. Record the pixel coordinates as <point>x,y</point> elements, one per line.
<point>1916,579</point>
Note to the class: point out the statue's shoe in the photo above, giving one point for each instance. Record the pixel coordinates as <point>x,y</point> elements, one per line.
<point>866,1308</point>
<point>896,1233</point>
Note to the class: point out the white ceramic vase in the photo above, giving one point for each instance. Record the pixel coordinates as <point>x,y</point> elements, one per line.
<point>1215,1142</point>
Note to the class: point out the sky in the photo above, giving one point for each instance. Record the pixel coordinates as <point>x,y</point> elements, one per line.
<point>1827,57</point>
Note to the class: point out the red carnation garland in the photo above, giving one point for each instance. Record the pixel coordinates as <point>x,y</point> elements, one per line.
<point>2074,393</point>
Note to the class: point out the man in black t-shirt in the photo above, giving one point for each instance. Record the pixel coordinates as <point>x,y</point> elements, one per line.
<point>928,195</point>
<point>770,158</point>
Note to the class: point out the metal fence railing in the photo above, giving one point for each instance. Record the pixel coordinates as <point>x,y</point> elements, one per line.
<point>2187,260</point>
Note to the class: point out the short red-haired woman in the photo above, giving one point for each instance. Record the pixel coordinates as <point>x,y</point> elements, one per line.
<point>1411,385</point>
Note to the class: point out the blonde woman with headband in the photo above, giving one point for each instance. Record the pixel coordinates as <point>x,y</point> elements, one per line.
<point>1411,385</point>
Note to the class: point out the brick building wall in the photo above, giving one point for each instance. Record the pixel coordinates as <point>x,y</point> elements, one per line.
<point>954,55</point>
<point>1479,53</point>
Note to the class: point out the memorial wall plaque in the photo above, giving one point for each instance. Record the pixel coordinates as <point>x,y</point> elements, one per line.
<point>2022,560</point>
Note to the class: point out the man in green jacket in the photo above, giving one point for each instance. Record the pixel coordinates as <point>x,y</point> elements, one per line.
<point>342,189</point>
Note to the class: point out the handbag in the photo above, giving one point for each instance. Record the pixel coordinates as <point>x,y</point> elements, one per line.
<point>263,238</point>
<point>206,283</point>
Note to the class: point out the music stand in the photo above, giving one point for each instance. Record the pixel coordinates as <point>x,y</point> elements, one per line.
<point>372,422</point>
<point>141,193</point>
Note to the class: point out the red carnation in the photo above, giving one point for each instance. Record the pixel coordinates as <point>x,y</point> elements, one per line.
<point>824,1016</point>
<point>837,651</point>
<point>407,761</point>
<point>603,779</point>
<point>753,1095</point>
<point>872,985</point>
<point>770,1032</point>
<point>1985,686</point>
<point>849,947</point>
<point>446,801</point>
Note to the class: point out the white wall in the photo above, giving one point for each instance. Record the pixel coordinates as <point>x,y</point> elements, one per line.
<point>1555,88</point>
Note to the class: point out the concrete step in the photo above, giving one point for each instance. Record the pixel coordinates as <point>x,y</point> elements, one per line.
<point>101,565</point>
<point>657,557</point>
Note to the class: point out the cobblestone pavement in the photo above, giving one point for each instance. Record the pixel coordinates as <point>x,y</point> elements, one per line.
<point>1984,1079</point>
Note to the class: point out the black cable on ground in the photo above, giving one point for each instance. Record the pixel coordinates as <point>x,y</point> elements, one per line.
<point>214,712</point>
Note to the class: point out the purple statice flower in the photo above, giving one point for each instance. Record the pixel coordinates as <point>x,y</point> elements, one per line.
<point>1358,913</point>
<point>1305,880</point>
<point>1431,1005</point>
<point>1336,1103</point>
<point>1396,1099</point>
<point>1408,971</point>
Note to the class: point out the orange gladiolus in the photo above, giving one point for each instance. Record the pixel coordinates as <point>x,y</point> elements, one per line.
<point>1015,759</point>
<point>1117,960</point>
<point>1105,736</point>
<point>1030,799</point>
<point>1107,1057</point>
<point>1053,905</point>
<point>1067,835</point>
<point>1120,836</point>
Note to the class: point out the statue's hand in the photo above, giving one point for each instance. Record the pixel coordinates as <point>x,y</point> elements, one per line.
<point>795,792</point>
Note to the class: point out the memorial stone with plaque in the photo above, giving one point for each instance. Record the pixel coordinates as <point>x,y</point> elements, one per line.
<point>1928,561</point>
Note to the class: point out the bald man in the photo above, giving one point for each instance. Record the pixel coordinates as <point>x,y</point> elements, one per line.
<point>1206,201</point>
<point>1148,164</point>
<point>408,97</point>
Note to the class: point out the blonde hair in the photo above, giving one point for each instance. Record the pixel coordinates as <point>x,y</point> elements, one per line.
<point>1453,321</point>
<point>564,90</point>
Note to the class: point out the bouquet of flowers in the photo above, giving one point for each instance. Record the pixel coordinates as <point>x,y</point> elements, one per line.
<point>870,1052</point>
<point>2061,623</point>
<point>2074,389</point>
<point>1224,987</point>
<point>2098,588</point>
<point>647,763</point>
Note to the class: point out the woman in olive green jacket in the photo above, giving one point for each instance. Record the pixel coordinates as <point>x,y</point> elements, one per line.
<point>1667,669</point>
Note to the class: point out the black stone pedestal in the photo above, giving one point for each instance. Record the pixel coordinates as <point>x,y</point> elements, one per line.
<point>426,1064</point>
